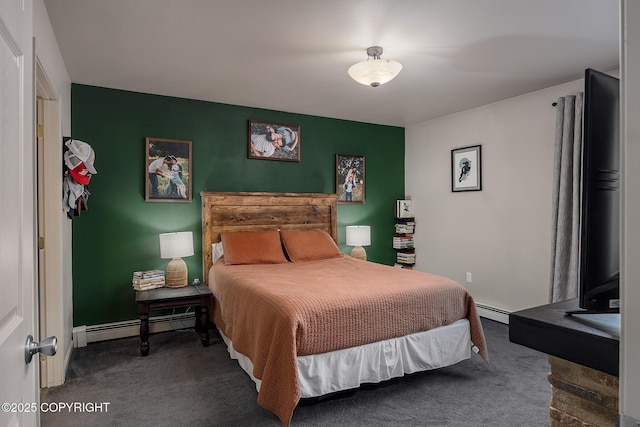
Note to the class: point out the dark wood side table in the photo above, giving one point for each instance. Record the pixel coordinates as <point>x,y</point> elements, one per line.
<point>198,296</point>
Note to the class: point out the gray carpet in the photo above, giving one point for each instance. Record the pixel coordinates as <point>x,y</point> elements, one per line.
<point>181,383</point>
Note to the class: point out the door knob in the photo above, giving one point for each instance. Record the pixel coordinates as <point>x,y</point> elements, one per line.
<point>48,347</point>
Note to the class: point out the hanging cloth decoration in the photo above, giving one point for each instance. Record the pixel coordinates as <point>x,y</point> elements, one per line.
<point>78,159</point>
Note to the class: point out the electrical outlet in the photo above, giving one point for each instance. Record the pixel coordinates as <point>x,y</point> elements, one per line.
<point>469,278</point>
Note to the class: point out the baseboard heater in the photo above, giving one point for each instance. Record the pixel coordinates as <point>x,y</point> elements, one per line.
<point>129,328</point>
<point>493,313</point>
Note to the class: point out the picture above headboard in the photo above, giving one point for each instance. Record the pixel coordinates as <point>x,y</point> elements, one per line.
<point>263,211</point>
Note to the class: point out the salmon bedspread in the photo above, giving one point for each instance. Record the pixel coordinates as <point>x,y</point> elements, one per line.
<point>273,313</point>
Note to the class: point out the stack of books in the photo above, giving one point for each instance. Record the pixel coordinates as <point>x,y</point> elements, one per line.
<point>149,279</point>
<point>406,258</point>
<point>405,227</point>
<point>405,266</point>
<point>402,242</point>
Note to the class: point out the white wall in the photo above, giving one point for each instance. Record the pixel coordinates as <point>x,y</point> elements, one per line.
<point>61,305</point>
<point>630,272</point>
<point>502,234</point>
<point>49,55</point>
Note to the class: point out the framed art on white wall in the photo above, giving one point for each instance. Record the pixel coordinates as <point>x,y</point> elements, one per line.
<point>466,169</point>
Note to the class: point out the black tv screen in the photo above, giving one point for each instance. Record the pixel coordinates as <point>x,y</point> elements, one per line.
<point>599,271</point>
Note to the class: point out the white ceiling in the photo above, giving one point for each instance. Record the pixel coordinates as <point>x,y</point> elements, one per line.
<point>293,55</point>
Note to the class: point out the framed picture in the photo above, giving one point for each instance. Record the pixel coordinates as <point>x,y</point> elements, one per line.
<point>274,141</point>
<point>168,166</point>
<point>404,209</point>
<point>466,169</point>
<point>350,178</point>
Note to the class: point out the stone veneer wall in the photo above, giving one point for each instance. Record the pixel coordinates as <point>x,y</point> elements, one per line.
<point>581,396</point>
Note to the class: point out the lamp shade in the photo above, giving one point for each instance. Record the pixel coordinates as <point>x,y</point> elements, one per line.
<point>375,72</point>
<point>176,245</point>
<point>358,235</point>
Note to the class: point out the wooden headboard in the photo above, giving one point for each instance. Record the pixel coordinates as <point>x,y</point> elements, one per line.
<point>263,211</point>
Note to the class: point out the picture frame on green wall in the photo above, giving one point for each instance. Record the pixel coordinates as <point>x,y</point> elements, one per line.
<point>350,178</point>
<point>274,141</point>
<point>168,163</point>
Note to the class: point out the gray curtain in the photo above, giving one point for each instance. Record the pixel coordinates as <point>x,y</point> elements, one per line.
<point>566,199</point>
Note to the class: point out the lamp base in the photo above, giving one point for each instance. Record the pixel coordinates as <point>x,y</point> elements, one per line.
<point>177,274</point>
<point>359,253</point>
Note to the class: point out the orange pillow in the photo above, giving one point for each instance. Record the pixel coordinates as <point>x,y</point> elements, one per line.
<point>309,245</point>
<point>252,247</point>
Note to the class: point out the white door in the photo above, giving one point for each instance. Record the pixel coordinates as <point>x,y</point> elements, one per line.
<point>18,381</point>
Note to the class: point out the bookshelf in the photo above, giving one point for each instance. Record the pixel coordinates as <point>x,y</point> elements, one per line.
<point>403,240</point>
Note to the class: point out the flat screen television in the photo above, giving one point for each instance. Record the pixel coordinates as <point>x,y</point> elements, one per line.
<point>599,265</point>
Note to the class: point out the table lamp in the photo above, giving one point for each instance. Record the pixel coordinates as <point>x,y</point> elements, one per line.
<point>359,236</point>
<point>176,246</point>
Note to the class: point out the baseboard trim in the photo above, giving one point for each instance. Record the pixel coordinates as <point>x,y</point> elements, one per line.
<point>131,328</point>
<point>67,360</point>
<point>497,314</point>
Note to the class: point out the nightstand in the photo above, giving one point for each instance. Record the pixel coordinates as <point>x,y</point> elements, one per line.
<point>198,296</point>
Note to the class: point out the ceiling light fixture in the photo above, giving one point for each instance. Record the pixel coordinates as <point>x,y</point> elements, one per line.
<point>375,72</point>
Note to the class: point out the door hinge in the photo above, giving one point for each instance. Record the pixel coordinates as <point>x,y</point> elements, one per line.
<point>40,131</point>
<point>40,242</point>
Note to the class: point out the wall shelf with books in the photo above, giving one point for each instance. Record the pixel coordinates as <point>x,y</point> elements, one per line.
<point>403,240</point>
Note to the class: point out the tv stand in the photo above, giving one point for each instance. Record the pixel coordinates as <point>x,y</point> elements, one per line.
<point>583,357</point>
<point>589,341</point>
<point>572,312</point>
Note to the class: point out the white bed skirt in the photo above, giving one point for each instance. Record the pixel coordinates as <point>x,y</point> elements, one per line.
<point>325,373</point>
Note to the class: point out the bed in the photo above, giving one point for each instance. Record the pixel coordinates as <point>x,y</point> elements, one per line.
<point>304,320</point>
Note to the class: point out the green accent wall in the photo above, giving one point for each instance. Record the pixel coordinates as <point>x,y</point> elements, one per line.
<point>118,234</point>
